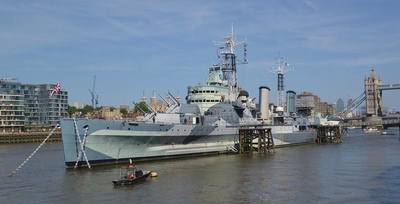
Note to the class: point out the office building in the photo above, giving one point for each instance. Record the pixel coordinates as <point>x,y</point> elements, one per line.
<point>339,105</point>
<point>38,107</point>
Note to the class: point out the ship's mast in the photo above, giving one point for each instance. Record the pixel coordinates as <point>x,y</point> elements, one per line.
<point>280,71</point>
<point>228,58</point>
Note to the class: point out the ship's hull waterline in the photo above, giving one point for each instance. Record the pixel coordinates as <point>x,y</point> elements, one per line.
<point>117,141</point>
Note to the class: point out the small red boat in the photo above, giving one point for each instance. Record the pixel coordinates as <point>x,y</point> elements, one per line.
<point>131,175</point>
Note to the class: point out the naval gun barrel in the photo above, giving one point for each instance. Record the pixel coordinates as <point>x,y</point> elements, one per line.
<point>164,100</point>
<point>173,98</point>
<point>150,108</point>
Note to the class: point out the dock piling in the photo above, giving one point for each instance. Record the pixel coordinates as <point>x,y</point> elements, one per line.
<point>329,134</point>
<point>263,136</point>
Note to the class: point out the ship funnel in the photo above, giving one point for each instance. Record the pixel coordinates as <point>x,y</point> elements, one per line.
<point>291,101</point>
<point>264,102</point>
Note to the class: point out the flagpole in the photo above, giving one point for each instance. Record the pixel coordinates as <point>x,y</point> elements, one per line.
<point>57,89</point>
<point>59,107</point>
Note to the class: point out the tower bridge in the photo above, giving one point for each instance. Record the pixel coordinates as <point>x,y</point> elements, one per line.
<point>388,87</point>
<point>372,95</point>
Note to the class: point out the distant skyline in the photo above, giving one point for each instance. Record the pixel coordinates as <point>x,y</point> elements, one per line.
<point>140,46</point>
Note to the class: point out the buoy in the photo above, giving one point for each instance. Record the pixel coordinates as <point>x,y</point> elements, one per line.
<point>153,174</point>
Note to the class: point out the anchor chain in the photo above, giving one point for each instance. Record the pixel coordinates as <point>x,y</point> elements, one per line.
<point>34,152</point>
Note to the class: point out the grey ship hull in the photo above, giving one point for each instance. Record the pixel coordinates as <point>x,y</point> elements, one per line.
<point>118,141</point>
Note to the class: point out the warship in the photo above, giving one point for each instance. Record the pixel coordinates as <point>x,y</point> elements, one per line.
<point>209,122</point>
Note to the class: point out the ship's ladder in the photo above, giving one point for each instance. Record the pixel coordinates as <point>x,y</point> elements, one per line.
<point>236,146</point>
<point>233,148</point>
<point>81,144</point>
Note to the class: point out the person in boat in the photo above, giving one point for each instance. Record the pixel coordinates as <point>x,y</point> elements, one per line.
<point>131,171</point>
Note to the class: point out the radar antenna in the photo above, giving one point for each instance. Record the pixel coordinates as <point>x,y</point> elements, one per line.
<point>228,58</point>
<point>280,71</point>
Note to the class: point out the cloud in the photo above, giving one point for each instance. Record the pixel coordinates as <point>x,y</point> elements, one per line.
<point>35,62</point>
<point>374,60</point>
<point>311,5</point>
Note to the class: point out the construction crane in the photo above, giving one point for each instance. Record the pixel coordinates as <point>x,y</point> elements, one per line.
<point>95,98</point>
<point>8,79</point>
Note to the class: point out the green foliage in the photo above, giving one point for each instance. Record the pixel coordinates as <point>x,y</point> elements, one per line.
<point>87,109</point>
<point>71,109</point>
<point>112,109</point>
<point>142,106</point>
<point>123,111</point>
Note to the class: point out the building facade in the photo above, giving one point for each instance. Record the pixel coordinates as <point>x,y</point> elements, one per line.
<point>307,102</point>
<point>38,107</point>
<point>11,112</point>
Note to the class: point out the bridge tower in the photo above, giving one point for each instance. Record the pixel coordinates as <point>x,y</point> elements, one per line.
<point>373,95</point>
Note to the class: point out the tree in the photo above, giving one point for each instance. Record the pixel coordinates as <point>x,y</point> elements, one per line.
<point>142,106</point>
<point>87,109</point>
<point>71,109</point>
<point>123,111</point>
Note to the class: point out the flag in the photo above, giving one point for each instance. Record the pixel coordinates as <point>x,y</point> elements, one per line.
<point>286,64</point>
<point>56,89</point>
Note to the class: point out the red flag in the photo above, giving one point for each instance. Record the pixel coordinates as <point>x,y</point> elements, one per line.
<point>56,89</point>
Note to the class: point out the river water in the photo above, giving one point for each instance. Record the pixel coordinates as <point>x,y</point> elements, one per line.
<point>365,168</point>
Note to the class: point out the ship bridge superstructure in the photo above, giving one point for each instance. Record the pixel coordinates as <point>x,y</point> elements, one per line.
<point>214,91</point>
<point>221,84</point>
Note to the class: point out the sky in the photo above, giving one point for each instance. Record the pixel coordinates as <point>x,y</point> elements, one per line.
<point>135,47</point>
